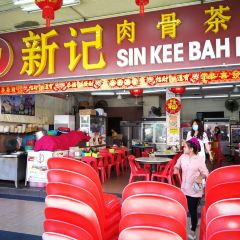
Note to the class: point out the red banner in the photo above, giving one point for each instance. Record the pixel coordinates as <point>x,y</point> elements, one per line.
<point>164,80</point>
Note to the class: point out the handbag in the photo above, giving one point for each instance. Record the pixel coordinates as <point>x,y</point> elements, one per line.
<point>197,187</point>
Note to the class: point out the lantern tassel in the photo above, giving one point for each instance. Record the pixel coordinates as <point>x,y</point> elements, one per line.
<point>48,22</point>
<point>142,10</point>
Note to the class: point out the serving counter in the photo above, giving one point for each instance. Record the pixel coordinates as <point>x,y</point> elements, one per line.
<point>13,167</point>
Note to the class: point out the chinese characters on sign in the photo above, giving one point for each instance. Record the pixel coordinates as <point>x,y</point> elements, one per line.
<point>129,44</point>
<point>164,80</point>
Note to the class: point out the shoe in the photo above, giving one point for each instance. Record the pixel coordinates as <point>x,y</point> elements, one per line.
<point>192,235</point>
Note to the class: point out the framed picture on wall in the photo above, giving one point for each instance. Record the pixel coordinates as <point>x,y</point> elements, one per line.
<point>19,105</point>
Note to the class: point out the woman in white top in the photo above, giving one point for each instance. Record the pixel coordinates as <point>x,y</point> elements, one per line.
<point>198,132</point>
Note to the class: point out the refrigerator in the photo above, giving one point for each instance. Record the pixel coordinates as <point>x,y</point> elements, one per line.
<point>131,132</point>
<point>154,132</point>
<point>224,125</point>
<point>235,134</point>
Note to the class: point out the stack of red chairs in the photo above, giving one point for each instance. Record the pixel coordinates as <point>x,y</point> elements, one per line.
<point>136,170</point>
<point>222,187</point>
<point>76,207</point>
<point>153,210</point>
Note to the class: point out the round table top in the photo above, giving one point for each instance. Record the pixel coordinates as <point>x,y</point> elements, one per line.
<point>163,154</point>
<point>153,160</point>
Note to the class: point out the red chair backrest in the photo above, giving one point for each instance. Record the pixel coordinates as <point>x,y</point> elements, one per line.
<point>148,233</point>
<point>223,207</point>
<point>224,235</point>
<point>74,206</point>
<point>159,188</point>
<point>77,193</point>
<point>223,223</point>
<point>92,161</point>
<point>132,164</point>
<point>145,154</point>
<point>75,219</point>
<point>154,204</point>
<point>108,158</point>
<point>79,180</point>
<point>222,175</point>
<point>67,229</point>
<point>152,220</point>
<point>222,191</point>
<point>75,166</point>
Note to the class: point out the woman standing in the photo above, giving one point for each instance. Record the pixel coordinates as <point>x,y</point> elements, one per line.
<point>198,132</point>
<point>194,171</point>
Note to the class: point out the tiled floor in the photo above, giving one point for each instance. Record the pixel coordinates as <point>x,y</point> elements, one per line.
<point>24,216</point>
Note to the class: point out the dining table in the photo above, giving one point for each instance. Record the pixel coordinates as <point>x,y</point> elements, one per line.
<point>153,161</point>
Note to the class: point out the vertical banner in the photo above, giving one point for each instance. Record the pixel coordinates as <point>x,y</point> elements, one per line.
<point>173,107</point>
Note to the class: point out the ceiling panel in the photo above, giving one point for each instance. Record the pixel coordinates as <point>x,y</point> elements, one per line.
<point>12,15</point>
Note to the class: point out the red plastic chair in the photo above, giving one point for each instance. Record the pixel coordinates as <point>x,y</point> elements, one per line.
<point>224,235</point>
<point>110,210</point>
<point>109,163</point>
<point>77,193</point>
<point>154,204</point>
<point>222,175</point>
<point>218,192</point>
<point>166,174</point>
<point>92,161</point>
<point>153,220</point>
<point>121,158</point>
<point>222,191</point>
<point>145,154</point>
<point>223,223</point>
<point>223,207</point>
<point>143,187</point>
<point>112,203</point>
<point>79,180</point>
<point>147,233</point>
<point>146,166</point>
<point>74,206</point>
<point>73,218</point>
<point>67,229</point>
<point>55,236</point>
<point>136,171</point>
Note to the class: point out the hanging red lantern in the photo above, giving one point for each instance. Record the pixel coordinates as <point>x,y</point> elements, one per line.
<point>48,8</point>
<point>141,4</point>
<point>136,92</point>
<point>178,90</point>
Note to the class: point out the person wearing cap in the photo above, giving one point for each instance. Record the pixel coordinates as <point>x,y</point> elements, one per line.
<point>194,170</point>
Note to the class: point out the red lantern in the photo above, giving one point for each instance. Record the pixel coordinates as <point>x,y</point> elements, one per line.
<point>178,90</point>
<point>141,4</point>
<point>136,92</point>
<point>48,8</point>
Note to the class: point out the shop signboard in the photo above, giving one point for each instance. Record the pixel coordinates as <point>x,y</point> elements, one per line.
<point>191,37</point>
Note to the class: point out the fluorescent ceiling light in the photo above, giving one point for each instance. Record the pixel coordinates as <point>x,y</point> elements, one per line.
<point>191,97</point>
<point>102,93</point>
<point>216,96</point>
<point>192,88</point>
<point>29,5</point>
<point>154,90</point>
<point>234,95</point>
<point>217,86</point>
<point>123,93</point>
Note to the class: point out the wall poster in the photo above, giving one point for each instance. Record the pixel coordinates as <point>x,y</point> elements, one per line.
<point>18,105</point>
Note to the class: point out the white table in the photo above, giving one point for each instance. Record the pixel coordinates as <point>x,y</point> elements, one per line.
<point>153,161</point>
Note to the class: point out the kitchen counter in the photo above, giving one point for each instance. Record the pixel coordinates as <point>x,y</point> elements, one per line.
<point>13,166</point>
